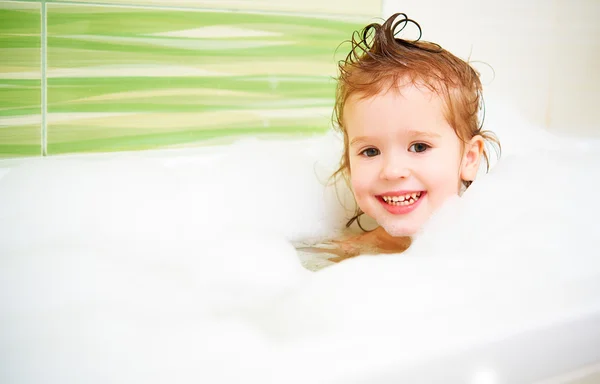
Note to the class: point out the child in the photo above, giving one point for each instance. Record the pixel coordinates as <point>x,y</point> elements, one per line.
<point>408,112</point>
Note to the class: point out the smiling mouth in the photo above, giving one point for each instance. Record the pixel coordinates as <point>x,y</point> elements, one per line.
<point>403,200</point>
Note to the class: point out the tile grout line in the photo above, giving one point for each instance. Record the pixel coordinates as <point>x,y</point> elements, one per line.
<point>44,81</point>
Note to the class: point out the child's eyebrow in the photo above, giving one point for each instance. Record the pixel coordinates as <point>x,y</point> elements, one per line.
<point>359,140</point>
<point>411,133</point>
<point>432,135</point>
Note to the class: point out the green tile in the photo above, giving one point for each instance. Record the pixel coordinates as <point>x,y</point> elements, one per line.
<point>368,8</point>
<point>130,78</point>
<point>20,96</point>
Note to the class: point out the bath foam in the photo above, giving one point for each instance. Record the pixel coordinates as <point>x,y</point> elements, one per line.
<point>176,266</point>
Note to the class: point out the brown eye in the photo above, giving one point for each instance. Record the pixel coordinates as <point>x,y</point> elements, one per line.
<point>418,147</point>
<point>370,152</point>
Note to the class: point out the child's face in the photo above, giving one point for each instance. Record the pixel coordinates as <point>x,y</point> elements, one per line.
<point>405,159</point>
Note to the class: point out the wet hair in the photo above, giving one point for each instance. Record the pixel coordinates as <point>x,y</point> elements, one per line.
<point>379,61</point>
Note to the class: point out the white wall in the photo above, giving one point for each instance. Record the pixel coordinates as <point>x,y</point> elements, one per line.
<point>545,53</point>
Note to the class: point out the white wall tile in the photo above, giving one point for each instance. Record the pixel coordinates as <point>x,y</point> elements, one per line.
<point>545,53</point>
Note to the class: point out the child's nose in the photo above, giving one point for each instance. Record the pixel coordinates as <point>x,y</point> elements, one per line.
<point>394,168</point>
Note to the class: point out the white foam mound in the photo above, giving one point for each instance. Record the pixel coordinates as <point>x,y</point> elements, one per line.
<point>176,266</point>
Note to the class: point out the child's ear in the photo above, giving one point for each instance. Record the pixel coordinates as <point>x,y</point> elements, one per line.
<point>471,158</point>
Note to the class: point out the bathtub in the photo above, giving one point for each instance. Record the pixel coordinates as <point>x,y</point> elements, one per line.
<point>178,266</point>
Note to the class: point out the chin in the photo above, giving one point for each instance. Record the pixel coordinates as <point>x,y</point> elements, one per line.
<point>400,229</point>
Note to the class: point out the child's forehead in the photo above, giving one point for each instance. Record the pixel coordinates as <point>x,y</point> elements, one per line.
<point>410,103</point>
<point>402,90</point>
<point>411,111</point>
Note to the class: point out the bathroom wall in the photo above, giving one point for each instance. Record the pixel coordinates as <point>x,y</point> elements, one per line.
<point>113,75</point>
<point>545,53</point>
<point>20,73</point>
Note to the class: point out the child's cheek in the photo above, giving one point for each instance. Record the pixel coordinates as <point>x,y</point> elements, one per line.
<point>358,182</point>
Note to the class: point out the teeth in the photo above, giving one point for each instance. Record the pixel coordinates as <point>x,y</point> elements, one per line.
<point>408,199</point>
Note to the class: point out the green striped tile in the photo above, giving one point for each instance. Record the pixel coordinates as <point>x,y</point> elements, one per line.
<point>130,78</point>
<point>362,8</point>
<point>20,97</point>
